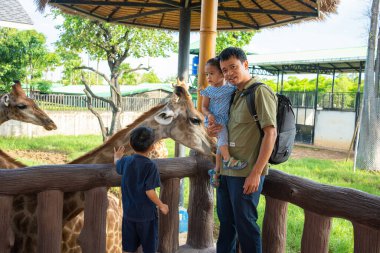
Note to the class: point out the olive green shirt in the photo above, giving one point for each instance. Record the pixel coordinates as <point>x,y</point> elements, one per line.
<point>243,132</point>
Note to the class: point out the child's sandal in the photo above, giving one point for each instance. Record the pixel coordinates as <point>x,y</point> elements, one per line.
<point>214,179</point>
<point>234,164</point>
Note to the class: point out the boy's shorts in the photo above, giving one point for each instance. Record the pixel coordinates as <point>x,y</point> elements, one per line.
<point>136,233</point>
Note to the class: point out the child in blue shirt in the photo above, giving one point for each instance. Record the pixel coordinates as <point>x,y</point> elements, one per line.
<point>215,108</point>
<point>140,177</point>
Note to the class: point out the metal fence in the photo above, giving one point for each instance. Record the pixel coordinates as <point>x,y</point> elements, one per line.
<point>79,103</point>
<point>343,101</point>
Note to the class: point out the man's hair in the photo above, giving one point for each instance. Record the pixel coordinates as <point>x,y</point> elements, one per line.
<point>230,52</point>
<point>141,138</point>
<point>214,62</point>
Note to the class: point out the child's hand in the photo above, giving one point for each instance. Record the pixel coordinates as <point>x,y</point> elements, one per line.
<point>118,153</point>
<point>211,118</point>
<point>164,209</point>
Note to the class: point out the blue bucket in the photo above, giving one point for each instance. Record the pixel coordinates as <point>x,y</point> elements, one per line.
<point>183,220</point>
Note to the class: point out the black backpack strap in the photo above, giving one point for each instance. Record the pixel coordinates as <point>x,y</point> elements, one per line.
<point>249,94</point>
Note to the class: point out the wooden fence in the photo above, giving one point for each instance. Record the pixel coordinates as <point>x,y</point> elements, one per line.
<point>320,202</point>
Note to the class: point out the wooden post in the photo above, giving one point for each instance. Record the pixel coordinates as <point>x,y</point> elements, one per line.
<point>316,233</point>
<point>207,45</point>
<point>274,226</point>
<point>201,208</point>
<point>366,239</point>
<point>92,239</point>
<point>7,237</point>
<point>168,224</point>
<point>49,219</point>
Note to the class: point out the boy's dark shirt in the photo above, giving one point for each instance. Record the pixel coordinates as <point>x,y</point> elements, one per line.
<point>139,174</point>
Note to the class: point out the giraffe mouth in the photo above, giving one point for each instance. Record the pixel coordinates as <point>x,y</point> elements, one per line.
<point>51,126</point>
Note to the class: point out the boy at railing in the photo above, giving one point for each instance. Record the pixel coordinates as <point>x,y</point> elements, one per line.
<point>140,177</point>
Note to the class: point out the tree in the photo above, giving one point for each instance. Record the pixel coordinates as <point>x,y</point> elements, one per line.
<point>150,77</point>
<point>113,43</point>
<point>368,148</point>
<point>12,65</point>
<point>233,39</point>
<point>23,55</point>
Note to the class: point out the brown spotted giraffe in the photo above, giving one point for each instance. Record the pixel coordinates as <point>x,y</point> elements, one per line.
<point>177,119</point>
<point>16,105</point>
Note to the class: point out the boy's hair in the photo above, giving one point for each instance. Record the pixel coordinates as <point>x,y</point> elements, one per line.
<point>141,139</point>
<point>230,52</point>
<point>215,62</point>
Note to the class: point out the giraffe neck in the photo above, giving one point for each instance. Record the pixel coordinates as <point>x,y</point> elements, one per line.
<point>74,202</point>
<point>7,162</point>
<point>104,153</point>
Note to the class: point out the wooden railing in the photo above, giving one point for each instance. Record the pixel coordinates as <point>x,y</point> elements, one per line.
<point>320,202</point>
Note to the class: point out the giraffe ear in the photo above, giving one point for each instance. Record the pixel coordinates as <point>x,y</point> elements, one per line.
<point>165,117</point>
<point>5,100</point>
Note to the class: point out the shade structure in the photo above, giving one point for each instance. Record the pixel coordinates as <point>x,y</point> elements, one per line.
<point>165,14</point>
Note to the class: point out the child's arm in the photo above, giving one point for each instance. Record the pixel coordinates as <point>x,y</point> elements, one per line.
<point>118,154</point>
<point>205,111</point>
<point>154,198</point>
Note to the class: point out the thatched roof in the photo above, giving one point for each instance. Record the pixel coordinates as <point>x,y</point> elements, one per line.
<point>165,14</point>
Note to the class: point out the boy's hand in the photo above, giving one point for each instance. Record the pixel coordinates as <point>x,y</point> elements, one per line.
<point>164,209</point>
<point>118,153</point>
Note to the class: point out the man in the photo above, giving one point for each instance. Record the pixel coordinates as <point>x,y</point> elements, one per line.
<point>239,191</point>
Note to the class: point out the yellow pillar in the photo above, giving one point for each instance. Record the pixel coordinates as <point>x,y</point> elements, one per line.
<point>209,14</point>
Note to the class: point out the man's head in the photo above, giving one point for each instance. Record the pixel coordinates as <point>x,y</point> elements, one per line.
<point>142,139</point>
<point>234,65</point>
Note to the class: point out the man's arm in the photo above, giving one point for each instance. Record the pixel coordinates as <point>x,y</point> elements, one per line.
<point>252,182</point>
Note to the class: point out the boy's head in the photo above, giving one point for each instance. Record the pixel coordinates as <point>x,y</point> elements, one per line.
<point>141,139</point>
<point>234,65</point>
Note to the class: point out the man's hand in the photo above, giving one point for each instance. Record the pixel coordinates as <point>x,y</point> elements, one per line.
<point>164,209</point>
<point>251,184</point>
<point>213,129</point>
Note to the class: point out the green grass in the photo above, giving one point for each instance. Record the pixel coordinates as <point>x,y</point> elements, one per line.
<point>337,173</point>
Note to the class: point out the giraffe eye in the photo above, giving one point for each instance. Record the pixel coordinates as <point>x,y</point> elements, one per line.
<point>195,121</point>
<point>21,106</point>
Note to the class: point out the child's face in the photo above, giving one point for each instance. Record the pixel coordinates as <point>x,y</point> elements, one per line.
<point>214,76</point>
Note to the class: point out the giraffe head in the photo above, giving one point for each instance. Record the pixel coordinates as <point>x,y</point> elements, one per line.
<point>19,107</point>
<point>179,120</point>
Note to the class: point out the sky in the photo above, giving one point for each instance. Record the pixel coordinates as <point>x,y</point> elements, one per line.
<point>348,28</point>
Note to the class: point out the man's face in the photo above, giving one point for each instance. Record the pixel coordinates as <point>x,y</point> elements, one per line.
<point>235,71</point>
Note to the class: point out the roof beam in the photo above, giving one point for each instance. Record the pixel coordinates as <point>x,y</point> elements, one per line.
<point>247,25</point>
<point>87,13</point>
<point>307,5</point>
<point>278,12</point>
<point>139,15</point>
<point>280,6</point>
<point>111,3</point>
<point>248,14</point>
<point>172,3</point>
<point>261,8</point>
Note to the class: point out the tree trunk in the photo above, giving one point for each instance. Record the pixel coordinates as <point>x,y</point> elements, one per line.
<point>368,153</point>
<point>117,99</point>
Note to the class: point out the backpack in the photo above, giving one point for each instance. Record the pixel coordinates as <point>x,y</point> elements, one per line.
<point>286,124</point>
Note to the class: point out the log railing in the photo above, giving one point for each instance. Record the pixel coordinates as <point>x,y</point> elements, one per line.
<point>320,202</point>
